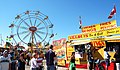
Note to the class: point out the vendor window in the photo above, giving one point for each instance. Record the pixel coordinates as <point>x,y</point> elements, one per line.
<point>113,46</point>
<point>80,50</point>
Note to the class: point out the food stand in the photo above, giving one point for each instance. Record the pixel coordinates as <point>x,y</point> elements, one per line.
<point>80,56</point>
<point>98,38</point>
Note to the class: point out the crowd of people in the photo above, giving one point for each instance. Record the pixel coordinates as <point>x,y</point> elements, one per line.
<point>14,59</point>
<point>17,59</point>
<point>36,61</point>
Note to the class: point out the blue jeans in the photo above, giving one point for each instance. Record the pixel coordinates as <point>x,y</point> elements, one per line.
<point>107,62</point>
<point>51,67</point>
<point>34,69</point>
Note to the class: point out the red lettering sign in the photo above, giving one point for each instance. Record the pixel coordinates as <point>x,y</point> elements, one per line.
<point>98,43</point>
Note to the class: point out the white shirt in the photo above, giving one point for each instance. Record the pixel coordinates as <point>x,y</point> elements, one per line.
<point>105,55</point>
<point>33,63</point>
<point>4,63</point>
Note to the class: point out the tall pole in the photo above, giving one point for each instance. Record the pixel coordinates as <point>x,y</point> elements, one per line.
<point>32,42</point>
<point>32,37</point>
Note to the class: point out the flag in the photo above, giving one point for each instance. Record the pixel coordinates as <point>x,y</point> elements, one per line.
<point>80,22</point>
<point>112,13</point>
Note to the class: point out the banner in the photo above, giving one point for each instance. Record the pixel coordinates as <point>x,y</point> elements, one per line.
<point>95,34</point>
<point>69,51</point>
<point>60,50</point>
<point>98,43</point>
<point>99,27</point>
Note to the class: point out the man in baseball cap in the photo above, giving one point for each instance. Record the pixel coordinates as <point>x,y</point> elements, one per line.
<point>5,61</point>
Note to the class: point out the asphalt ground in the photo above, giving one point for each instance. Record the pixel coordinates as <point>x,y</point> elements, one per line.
<point>59,68</point>
<point>45,67</point>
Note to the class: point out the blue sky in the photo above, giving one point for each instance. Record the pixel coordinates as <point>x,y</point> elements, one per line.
<point>64,14</point>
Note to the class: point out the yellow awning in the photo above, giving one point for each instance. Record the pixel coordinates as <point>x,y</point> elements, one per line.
<point>79,42</point>
<point>112,38</point>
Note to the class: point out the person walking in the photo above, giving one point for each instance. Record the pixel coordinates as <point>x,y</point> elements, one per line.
<point>117,60</point>
<point>40,60</point>
<point>28,57</point>
<point>50,58</point>
<point>21,63</point>
<point>72,62</point>
<point>33,64</point>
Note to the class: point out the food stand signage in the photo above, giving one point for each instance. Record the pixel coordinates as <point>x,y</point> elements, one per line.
<point>95,34</point>
<point>69,51</point>
<point>98,43</point>
<point>60,50</point>
<point>99,27</point>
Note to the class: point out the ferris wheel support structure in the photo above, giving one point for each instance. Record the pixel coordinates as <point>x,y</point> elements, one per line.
<point>33,27</point>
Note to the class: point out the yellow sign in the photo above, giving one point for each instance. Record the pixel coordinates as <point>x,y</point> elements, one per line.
<point>95,34</point>
<point>99,27</point>
<point>98,43</point>
<point>60,50</point>
<point>69,51</point>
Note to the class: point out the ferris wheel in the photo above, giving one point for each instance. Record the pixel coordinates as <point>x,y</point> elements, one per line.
<point>33,27</point>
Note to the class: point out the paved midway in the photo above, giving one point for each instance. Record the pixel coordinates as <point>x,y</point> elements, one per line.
<point>59,68</point>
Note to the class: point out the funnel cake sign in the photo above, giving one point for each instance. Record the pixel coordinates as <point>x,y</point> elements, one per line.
<point>108,32</point>
<point>99,27</point>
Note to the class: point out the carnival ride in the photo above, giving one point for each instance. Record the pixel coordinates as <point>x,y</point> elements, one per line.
<point>32,27</point>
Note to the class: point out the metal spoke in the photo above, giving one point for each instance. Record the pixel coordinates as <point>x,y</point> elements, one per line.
<point>41,28</point>
<point>39,36</point>
<point>23,32</point>
<point>41,32</point>
<point>39,24</point>
<point>25,22</point>
<point>22,27</point>
<point>26,35</point>
<point>44,33</point>
<point>35,21</point>
<point>15,40</point>
<point>30,19</point>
